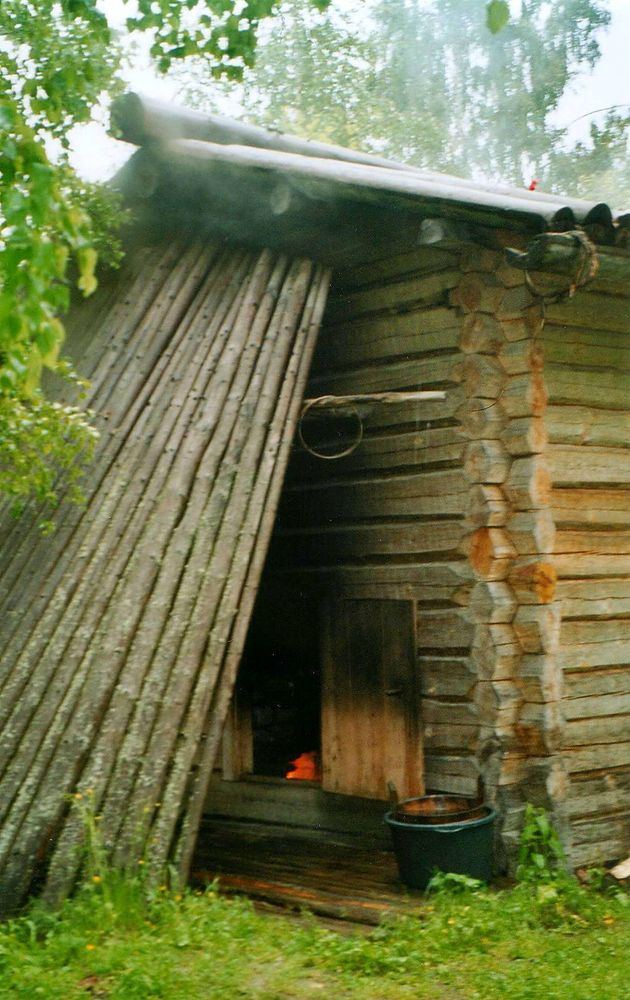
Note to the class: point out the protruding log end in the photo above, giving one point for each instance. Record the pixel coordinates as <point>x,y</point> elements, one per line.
<point>534,582</point>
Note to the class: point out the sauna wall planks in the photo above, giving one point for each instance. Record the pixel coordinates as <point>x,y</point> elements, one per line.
<point>587,375</point>
<point>388,522</point>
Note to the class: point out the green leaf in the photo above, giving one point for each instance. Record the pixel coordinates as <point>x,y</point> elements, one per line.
<point>87,262</point>
<point>497,15</point>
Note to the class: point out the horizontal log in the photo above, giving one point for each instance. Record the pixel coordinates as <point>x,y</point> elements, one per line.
<point>443,629</point>
<point>395,296</point>
<point>602,793</point>
<point>363,403</point>
<point>591,855</point>
<point>414,373</point>
<point>446,676</point>
<point>598,757</point>
<point>592,310</point>
<point>592,598</point>
<point>582,425</point>
<point>379,453</point>
<point>449,737</point>
<point>396,496</point>
<point>593,543</point>
<point>595,654</point>
<point>330,547</point>
<point>451,773</point>
<point>574,566</point>
<point>561,333</point>
<point>590,506</point>
<point>413,262</point>
<point>426,581</point>
<point>575,354</point>
<point>607,830</point>
<point>603,390</point>
<point>598,705</point>
<point>611,681</point>
<point>582,633</point>
<point>448,713</point>
<point>373,338</point>
<point>589,732</point>
<point>573,464</point>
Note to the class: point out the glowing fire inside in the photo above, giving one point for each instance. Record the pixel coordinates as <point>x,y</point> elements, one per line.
<point>305,767</point>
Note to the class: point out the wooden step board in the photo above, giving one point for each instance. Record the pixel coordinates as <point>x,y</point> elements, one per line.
<point>278,865</point>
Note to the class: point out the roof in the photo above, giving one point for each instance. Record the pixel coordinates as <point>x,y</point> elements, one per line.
<point>200,160</point>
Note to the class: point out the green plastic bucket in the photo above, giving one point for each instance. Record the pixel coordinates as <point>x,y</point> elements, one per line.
<point>422,849</point>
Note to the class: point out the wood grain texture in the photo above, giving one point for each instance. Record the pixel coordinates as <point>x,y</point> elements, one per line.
<point>120,641</point>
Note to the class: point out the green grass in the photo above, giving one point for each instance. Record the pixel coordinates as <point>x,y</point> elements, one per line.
<point>551,941</point>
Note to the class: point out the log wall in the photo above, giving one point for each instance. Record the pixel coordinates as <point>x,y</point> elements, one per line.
<point>390,520</point>
<point>587,374</point>
<point>447,504</point>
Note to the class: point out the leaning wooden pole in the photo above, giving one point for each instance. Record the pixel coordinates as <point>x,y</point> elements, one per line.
<point>122,633</point>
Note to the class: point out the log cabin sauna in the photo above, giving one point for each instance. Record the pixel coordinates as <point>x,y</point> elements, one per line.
<point>448,602</point>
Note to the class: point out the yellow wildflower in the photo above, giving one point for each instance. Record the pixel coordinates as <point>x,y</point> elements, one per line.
<point>90,947</point>
<point>96,878</point>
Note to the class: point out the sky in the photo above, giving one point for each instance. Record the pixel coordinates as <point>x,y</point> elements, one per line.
<point>97,156</point>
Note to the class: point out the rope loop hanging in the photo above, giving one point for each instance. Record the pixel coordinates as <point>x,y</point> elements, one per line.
<point>321,402</point>
<point>586,270</point>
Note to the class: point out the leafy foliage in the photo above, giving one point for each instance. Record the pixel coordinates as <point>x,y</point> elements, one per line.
<point>427,83</point>
<point>497,15</point>
<point>57,60</point>
<point>541,857</point>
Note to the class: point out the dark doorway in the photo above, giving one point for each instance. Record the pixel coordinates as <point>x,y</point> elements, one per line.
<point>280,685</point>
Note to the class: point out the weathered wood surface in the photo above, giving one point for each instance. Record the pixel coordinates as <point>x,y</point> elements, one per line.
<point>370,707</point>
<point>587,374</point>
<point>388,521</point>
<point>273,864</point>
<point>118,647</point>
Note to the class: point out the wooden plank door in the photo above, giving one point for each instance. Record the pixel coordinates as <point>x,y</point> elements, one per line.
<point>370,702</point>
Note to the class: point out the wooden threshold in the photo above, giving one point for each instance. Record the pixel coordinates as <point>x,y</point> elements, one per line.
<point>285,867</point>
